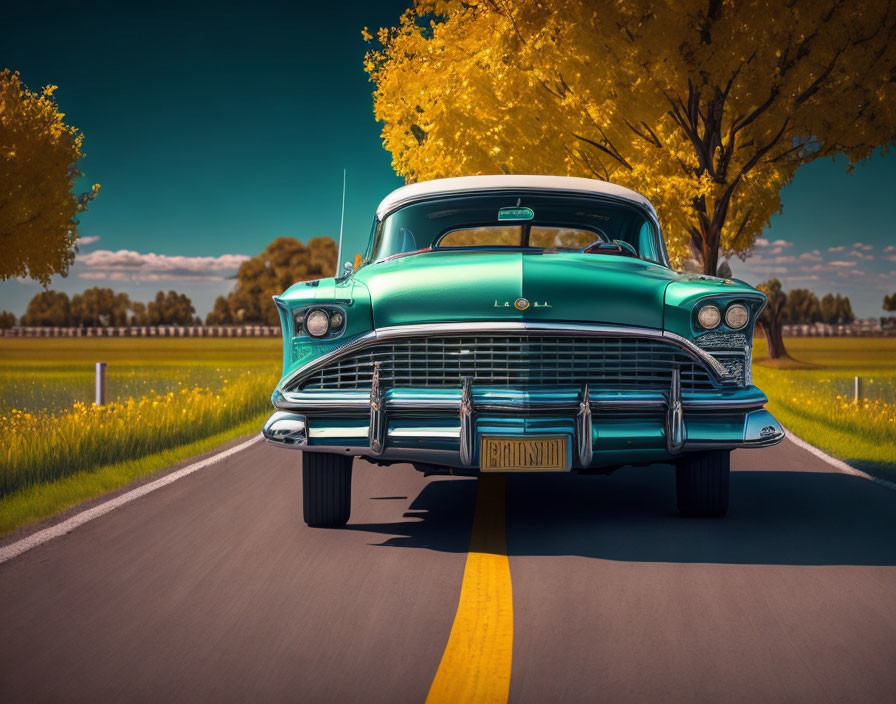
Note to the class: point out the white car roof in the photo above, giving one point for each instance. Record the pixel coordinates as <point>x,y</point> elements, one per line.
<point>471,184</point>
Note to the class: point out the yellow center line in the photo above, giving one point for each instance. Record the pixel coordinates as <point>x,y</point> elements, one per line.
<point>475,666</point>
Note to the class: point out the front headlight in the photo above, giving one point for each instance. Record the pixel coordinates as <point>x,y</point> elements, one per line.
<point>317,323</point>
<point>737,316</point>
<point>709,317</point>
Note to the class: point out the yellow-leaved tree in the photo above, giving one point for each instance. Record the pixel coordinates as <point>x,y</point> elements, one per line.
<point>708,107</point>
<point>38,168</point>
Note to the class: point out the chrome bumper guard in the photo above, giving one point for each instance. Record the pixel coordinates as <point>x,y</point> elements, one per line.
<point>288,427</point>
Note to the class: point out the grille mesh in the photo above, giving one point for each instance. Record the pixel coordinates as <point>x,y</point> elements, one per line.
<point>628,363</point>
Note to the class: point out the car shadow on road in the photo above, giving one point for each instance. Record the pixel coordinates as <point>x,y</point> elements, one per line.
<point>776,517</point>
<point>440,518</point>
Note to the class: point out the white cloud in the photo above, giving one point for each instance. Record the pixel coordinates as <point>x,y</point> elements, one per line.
<point>860,254</point>
<point>836,249</point>
<point>128,265</point>
<point>90,239</point>
<point>841,263</point>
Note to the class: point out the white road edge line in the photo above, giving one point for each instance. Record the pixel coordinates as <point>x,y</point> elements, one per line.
<point>15,549</point>
<point>839,465</point>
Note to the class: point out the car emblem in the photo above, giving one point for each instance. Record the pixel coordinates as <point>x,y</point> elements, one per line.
<point>522,304</point>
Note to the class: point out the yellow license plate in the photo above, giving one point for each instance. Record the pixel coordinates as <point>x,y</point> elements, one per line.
<point>535,454</point>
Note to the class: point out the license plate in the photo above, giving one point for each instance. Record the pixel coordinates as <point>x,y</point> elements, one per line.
<point>534,454</point>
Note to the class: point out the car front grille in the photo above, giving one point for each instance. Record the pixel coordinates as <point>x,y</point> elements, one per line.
<point>628,363</point>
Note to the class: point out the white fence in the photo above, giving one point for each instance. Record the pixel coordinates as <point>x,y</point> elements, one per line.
<point>149,331</point>
<point>860,328</point>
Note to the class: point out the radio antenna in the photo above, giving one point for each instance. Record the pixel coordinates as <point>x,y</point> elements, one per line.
<point>341,225</point>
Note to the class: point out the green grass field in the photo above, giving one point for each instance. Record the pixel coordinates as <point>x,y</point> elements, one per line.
<point>812,394</point>
<point>166,399</point>
<point>51,374</point>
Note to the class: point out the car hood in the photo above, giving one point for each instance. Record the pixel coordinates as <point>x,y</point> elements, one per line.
<point>482,286</point>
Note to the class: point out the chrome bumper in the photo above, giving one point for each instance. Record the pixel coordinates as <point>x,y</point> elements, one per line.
<point>357,423</point>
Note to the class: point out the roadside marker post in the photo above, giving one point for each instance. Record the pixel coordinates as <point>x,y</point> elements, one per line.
<point>100,396</point>
<point>857,388</point>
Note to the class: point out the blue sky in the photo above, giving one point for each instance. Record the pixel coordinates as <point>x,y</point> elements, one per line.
<point>214,132</point>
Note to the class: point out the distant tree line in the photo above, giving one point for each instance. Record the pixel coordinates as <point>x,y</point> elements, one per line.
<point>798,307</point>
<point>282,263</point>
<point>804,307</point>
<point>102,307</point>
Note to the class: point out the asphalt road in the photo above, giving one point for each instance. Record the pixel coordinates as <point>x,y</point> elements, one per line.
<point>212,589</point>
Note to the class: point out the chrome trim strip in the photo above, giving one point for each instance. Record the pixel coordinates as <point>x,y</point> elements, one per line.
<point>356,432</point>
<point>504,326</point>
<point>425,433</point>
<point>306,404</point>
<point>744,444</point>
<point>720,372</point>
<point>715,404</point>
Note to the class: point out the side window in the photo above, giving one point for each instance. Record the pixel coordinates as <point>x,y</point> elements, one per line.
<point>647,243</point>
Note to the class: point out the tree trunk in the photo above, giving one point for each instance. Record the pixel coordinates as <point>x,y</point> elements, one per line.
<point>774,337</point>
<point>705,237</point>
<point>711,251</point>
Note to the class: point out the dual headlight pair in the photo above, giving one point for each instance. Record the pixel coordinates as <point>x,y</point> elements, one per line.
<point>319,322</point>
<point>736,316</point>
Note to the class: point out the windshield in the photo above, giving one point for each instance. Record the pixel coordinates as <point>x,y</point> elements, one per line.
<point>518,221</point>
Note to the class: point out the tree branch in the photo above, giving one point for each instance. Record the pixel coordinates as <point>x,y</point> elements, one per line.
<point>618,157</point>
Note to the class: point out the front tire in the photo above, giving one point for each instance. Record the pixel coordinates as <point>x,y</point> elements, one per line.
<point>326,489</point>
<point>702,483</point>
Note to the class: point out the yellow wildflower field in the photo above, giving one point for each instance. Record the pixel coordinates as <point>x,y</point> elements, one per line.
<point>813,396</point>
<point>163,394</point>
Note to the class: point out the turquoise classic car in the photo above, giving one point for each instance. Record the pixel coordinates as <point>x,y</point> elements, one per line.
<point>517,324</point>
